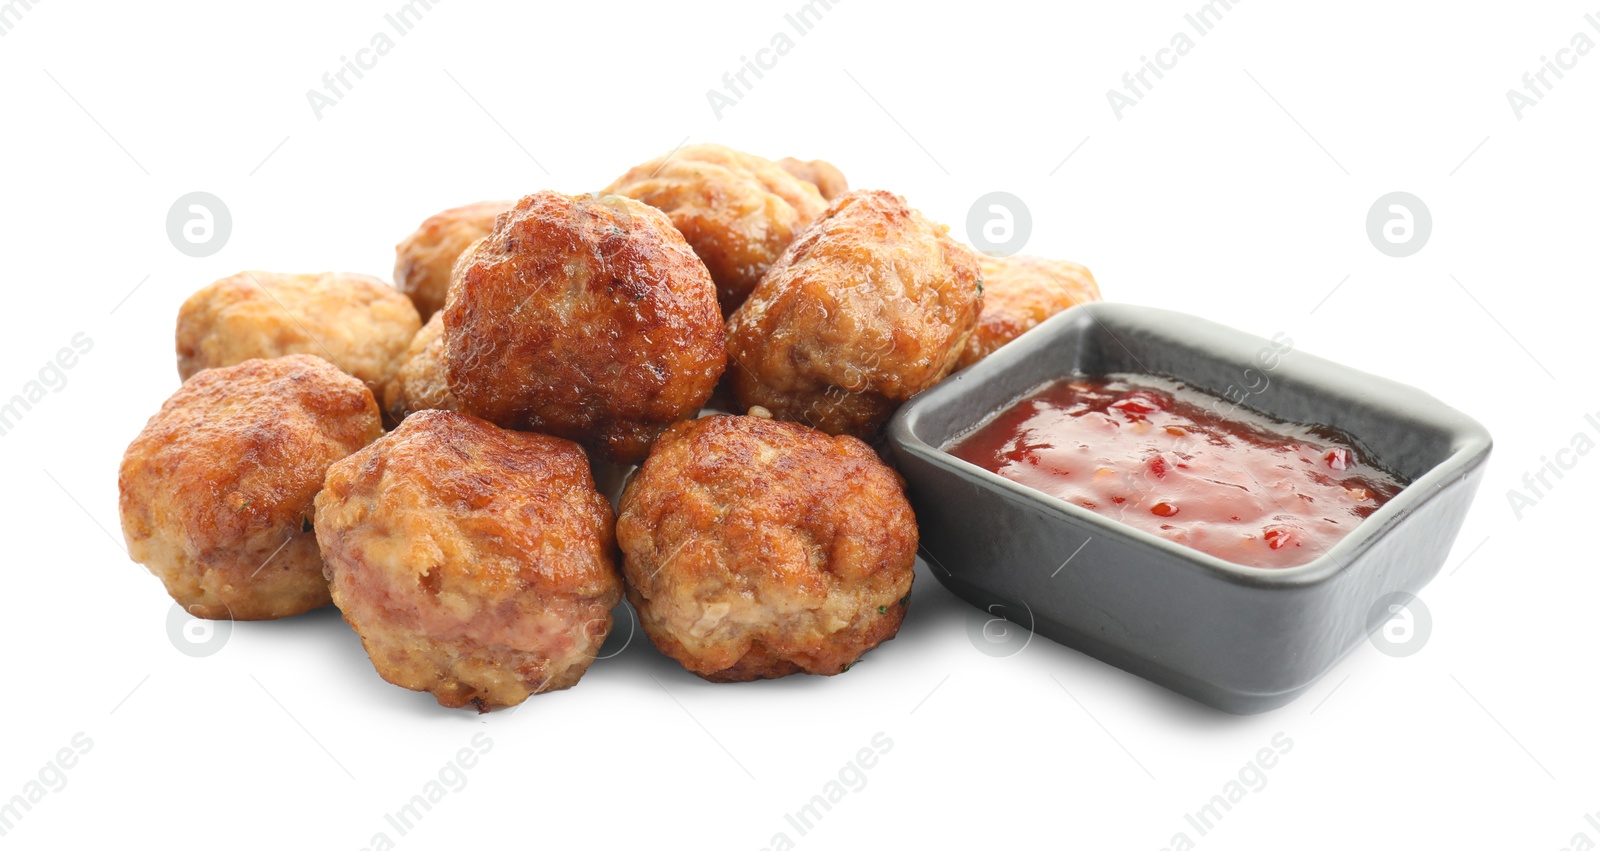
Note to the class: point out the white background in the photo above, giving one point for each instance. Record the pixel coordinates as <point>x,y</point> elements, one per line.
<point>1237,189</point>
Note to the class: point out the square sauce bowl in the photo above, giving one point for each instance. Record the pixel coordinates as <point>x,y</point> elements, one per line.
<point>1239,638</point>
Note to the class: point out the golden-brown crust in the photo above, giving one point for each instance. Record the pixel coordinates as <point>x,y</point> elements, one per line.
<point>476,563</point>
<point>423,261</point>
<point>216,491</point>
<point>822,174</point>
<point>754,548</point>
<point>419,383</point>
<point>1020,292</point>
<point>738,211</point>
<point>869,306</point>
<point>357,322</point>
<point>586,318</point>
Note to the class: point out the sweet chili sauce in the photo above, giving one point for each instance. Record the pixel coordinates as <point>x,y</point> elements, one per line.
<point>1184,465</point>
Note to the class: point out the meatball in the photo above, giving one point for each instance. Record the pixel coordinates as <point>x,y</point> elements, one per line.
<point>754,548</point>
<point>475,563</point>
<point>423,260</point>
<point>216,491</point>
<point>419,384</point>
<point>869,306</point>
<point>739,211</point>
<point>586,318</point>
<point>822,174</point>
<point>360,324</point>
<point>1020,292</point>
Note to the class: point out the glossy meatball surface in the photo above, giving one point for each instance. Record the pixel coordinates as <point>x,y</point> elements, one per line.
<point>476,563</point>
<point>418,384</point>
<point>739,211</point>
<point>869,306</point>
<point>423,261</point>
<point>827,177</point>
<point>755,548</point>
<point>358,323</point>
<point>587,318</point>
<point>216,491</point>
<point>1020,292</point>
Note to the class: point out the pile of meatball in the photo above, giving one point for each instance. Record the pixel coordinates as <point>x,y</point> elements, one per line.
<point>425,455</point>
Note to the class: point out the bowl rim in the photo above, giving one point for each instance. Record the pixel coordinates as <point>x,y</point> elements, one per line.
<point>1470,443</point>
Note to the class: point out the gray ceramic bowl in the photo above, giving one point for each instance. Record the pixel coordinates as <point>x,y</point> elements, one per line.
<point>1242,639</point>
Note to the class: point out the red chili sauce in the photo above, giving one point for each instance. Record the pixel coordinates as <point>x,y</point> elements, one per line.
<point>1185,465</point>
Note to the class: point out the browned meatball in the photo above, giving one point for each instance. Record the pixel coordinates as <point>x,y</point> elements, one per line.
<point>423,261</point>
<point>419,384</point>
<point>358,323</point>
<point>822,174</point>
<point>755,549</point>
<point>586,318</point>
<point>871,305</point>
<point>1020,292</point>
<point>738,210</point>
<point>476,563</point>
<point>216,492</point>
